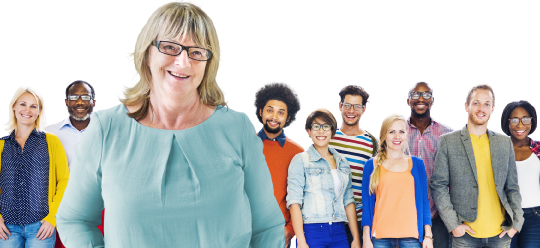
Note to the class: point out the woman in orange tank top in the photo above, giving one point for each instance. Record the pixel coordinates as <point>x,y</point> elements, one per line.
<point>394,190</point>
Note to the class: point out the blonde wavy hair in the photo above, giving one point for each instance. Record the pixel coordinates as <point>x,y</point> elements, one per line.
<point>382,155</point>
<point>175,20</point>
<point>12,122</point>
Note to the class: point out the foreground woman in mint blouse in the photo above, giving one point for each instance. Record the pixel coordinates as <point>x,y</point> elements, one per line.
<point>172,166</point>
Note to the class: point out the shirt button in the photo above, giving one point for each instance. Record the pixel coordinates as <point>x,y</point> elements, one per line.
<point>331,189</point>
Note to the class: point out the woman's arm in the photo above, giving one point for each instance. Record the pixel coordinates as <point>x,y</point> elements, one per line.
<point>428,242</point>
<point>266,216</point>
<point>366,236</point>
<point>298,225</point>
<point>61,173</point>
<point>353,225</point>
<point>79,213</point>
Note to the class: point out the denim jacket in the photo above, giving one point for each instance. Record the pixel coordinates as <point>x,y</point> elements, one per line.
<point>310,184</point>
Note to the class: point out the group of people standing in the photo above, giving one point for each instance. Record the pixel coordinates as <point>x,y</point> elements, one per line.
<point>175,167</point>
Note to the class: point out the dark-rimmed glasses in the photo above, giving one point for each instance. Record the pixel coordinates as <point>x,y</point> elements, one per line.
<point>525,121</point>
<point>325,127</point>
<point>76,97</point>
<point>348,106</point>
<point>415,95</point>
<point>174,49</point>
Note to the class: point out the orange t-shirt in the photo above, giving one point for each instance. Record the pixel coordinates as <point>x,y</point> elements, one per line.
<point>278,159</point>
<point>395,206</point>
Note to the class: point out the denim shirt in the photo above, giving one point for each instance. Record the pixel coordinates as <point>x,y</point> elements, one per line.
<point>310,184</point>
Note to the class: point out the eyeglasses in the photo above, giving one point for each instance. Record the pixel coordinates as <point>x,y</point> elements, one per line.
<point>348,106</point>
<point>325,127</point>
<point>174,49</point>
<point>525,121</point>
<point>76,97</point>
<point>415,95</point>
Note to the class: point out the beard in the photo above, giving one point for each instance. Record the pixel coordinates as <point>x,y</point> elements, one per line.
<point>475,121</point>
<point>82,118</point>
<point>272,130</point>
<point>417,115</point>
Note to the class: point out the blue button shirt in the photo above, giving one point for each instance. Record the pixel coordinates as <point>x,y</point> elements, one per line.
<point>280,138</point>
<point>68,135</point>
<point>24,179</point>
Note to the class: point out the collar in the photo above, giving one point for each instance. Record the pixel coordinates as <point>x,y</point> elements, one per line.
<point>533,143</point>
<point>315,156</point>
<point>433,122</point>
<point>280,138</point>
<point>67,123</point>
<point>11,136</point>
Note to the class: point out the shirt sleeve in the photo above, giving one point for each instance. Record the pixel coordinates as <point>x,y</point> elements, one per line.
<point>79,213</point>
<point>61,174</point>
<point>511,188</point>
<point>367,211</point>
<point>296,181</point>
<point>267,219</point>
<point>426,211</point>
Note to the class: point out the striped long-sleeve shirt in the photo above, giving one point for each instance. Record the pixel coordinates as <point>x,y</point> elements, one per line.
<point>357,150</point>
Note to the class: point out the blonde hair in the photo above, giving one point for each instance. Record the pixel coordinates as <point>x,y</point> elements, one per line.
<point>174,20</point>
<point>381,156</point>
<point>12,122</point>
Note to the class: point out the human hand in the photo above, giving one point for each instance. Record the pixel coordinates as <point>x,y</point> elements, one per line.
<point>45,231</point>
<point>510,233</point>
<point>460,230</point>
<point>355,243</point>
<point>288,237</point>
<point>4,232</point>
<point>367,243</point>
<point>428,243</point>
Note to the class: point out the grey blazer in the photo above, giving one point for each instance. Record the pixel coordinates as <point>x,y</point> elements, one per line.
<point>454,183</point>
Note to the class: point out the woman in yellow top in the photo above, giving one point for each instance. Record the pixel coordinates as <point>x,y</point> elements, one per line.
<point>33,176</point>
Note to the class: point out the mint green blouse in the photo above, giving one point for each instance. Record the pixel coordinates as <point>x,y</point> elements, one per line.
<point>205,186</point>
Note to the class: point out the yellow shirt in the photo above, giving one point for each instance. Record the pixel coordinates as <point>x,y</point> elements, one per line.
<point>490,214</point>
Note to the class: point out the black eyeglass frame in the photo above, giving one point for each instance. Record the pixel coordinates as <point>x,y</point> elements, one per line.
<point>352,106</point>
<point>184,48</point>
<point>423,94</point>
<point>320,126</point>
<point>520,120</point>
<point>79,97</point>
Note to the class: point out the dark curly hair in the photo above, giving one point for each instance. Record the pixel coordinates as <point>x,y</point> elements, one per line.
<point>92,93</point>
<point>280,92</point>
<point>505,124</point>
<point>354,90</point>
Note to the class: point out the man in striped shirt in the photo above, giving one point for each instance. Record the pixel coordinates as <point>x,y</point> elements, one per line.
<point>424,133</point>
<point>355,144</point>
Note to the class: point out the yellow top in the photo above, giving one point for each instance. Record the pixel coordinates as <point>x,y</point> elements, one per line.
<point>490,214</point>
<point>58,174</point>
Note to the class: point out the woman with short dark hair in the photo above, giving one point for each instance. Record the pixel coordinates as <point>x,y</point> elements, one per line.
<point>319,189</point>
<point>519,121</point>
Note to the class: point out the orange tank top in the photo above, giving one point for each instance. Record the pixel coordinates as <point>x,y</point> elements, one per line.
<point>395,207</point>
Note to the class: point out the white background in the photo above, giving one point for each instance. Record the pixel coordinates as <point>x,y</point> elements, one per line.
<point>317,47</point>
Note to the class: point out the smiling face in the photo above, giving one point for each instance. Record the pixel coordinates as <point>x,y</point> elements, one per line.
<point>26,110</point>
<point>175,75</point>
<point>396,137</point>
<point>520,131</point>
<point>274,116</point>
<point>420,107</point>
<point>320,137</point>
<point>351,116</point>
<point>480,107</point>
<point>80,110</point>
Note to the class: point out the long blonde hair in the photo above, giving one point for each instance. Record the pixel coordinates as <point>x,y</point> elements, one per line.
<point>170,21</point>
<point>381,156</point>
<point>12,122</point>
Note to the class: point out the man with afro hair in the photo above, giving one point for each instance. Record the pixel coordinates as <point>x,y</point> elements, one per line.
<point>277,105</point>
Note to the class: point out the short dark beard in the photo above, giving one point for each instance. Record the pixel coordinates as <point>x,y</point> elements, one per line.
<point>270,130</point>
<point>417,115</point>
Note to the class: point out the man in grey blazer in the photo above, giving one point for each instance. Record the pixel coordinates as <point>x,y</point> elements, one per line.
<point>474,182</point>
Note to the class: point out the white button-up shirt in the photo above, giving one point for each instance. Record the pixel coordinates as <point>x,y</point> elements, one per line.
<point>68,135</point>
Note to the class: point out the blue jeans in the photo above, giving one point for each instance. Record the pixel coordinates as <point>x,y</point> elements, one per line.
<point>529,237</point>
<point>25,236</point>
<point>467,241</point>
<point>325,235</point>
<point>441,236</point>
<point>396,242</point>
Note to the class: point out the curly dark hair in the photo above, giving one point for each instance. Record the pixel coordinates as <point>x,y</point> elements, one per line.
<point>81,82</point>
<point>354,90</point>
<point>505,124</point>
<point>280,92</point>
